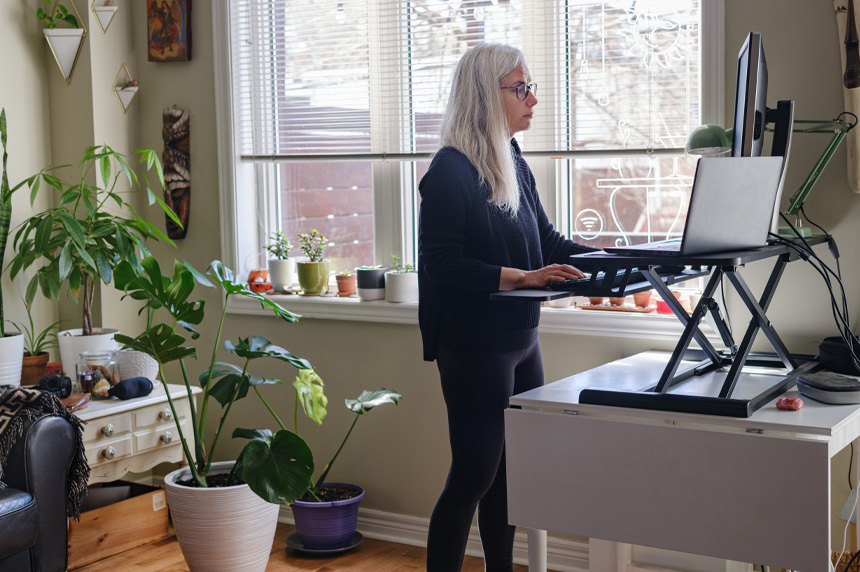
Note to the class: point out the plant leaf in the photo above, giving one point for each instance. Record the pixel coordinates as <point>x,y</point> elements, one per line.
<point>278,469</point>
<point>370,399</point>
<point>309,387</point>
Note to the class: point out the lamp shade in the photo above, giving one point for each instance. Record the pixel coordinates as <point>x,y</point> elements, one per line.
<point>709,140</point>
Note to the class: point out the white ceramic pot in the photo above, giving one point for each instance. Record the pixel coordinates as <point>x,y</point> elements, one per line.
<point>11,358</point>
<point>223,529</point>
<point>401,286</point>
<point>133,363</point>
<point>65,43</point>
<point>282,273</point>
<point>72,343</point>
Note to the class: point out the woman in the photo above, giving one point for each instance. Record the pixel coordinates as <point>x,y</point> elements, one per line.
<point>481,229</point>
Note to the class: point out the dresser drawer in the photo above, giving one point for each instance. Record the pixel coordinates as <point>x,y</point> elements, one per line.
<point>109,450</point>
<point>159,414</point>
<point>107,427</point>
<point>161,436</point>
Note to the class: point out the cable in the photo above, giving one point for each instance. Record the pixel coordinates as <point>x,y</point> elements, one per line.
<point>850,462</point>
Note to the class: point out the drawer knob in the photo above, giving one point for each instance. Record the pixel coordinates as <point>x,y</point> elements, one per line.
<point>109,453</point>
<point>167,437</point>
<point>108,430</point>
<point>166,415</point>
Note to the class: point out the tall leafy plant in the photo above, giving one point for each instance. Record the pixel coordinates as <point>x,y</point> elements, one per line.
<point>5,213</point>
<point>277,466</point>
<point>81,240</point>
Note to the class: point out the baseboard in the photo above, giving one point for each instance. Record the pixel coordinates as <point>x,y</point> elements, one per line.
<point>562,555</point>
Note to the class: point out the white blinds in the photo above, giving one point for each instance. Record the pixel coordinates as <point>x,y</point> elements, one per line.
<point>371,77</point>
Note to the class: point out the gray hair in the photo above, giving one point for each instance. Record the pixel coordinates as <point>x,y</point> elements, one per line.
<point>475,122</point>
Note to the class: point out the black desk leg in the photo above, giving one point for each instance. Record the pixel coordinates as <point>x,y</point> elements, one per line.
<point>759,321</point>
<point>691,331</point>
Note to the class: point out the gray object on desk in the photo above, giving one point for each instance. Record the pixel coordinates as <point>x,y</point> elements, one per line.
<point>731,206</point>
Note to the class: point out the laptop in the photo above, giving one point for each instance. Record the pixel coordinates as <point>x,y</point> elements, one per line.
<point>731,205</point>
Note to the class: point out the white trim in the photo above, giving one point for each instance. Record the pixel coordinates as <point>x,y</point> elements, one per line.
<point>713,68</point>
<point>562,555</point>
<point>553,321</point>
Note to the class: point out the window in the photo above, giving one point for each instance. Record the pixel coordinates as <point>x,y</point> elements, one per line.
<point>334,107</point>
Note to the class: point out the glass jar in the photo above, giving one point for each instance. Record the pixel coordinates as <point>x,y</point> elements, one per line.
<point>97,372</point>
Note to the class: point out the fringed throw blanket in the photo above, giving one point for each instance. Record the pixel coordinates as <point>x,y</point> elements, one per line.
<point>19,405</point>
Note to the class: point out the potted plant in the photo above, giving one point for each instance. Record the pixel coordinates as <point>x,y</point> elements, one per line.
<point>326,514</point>
<point>313,272</point>
<point>81,241</point>
<point>401,282</point>
<point>64,35</point>
<point>11,343</point>
<point>36,346</point>
<point>282,268</point>
<point>370,282</point>
<point>345,283</point>
<point>272,468</point>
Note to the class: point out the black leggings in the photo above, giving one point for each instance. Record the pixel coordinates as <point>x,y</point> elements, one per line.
<point>477,387</point>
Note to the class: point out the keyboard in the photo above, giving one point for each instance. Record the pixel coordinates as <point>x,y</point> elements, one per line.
<point>580,284</point>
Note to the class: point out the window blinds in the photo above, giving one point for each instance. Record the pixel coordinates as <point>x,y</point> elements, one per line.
<point>370,78</point>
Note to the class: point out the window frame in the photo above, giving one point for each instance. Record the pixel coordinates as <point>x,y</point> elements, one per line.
<point>395,210</point>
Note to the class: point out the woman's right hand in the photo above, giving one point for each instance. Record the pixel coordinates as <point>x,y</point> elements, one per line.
<point>513,278</point>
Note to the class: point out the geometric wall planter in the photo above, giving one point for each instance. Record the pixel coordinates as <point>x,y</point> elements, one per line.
<point>104,15</point>
<point>125,89</point>
<point>66,44</point>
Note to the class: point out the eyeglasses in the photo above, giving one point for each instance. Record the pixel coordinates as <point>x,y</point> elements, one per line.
<point>523,90</point>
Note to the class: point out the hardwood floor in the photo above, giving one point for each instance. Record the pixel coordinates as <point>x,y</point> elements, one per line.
<point>371,556</point>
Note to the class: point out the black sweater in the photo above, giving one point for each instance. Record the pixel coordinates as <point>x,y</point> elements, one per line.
<point>463,243</point>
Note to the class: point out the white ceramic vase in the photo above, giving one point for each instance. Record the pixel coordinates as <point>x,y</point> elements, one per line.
<point>221,529</point>
<point>282,274</point>
<point>72,343</point>
<point>401,286</point>
<point>11,358</point>
<point>133,363</point>
<point>65,44</point>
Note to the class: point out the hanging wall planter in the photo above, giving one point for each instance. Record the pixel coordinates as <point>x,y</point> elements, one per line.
<point>125,89</point>
<point>66,46</point>
<point>104,14</point>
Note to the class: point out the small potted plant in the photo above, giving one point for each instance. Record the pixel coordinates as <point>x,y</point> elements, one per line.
<point>313,272</point>
<point>326,514</point>
<point>345,283</point>
<point>401,282</point>
<point>64,34</point>
<point>36,346</point>
<point>282,268</point>
<point>370,282</point>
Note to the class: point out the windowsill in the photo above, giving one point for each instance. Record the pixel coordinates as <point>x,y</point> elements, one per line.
<point>570,321</point>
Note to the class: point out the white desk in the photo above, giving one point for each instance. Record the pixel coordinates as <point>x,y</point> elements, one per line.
<point>136,434</point>
<point>751,490</point>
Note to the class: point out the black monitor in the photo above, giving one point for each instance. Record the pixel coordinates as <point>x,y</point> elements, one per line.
<point>750,99</point>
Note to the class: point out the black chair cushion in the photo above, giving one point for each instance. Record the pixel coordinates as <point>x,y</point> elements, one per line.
<point>19,521</point>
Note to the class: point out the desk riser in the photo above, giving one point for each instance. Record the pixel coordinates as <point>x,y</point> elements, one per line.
<point>743,497</point>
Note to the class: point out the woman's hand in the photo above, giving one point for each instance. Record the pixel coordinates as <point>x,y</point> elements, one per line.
<point>513,278</point>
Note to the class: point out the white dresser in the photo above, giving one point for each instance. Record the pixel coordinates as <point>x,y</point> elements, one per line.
<point>136,434</point>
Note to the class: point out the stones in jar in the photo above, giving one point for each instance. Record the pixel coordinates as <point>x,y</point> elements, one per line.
<point>97,372</point>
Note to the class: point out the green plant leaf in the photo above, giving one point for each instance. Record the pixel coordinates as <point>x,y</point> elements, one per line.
<point>160,342</point>
<point>278,469</point>
<point>370,399</point>
<point>260,347</point>
<point>104,268</point>
<point>309,388</point>
<point>225,388</point>
<point>105,170</point>
<point>65,261</point>
<point>43,234</point>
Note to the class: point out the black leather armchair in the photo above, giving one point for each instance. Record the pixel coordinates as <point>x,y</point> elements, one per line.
<point>33,524</point>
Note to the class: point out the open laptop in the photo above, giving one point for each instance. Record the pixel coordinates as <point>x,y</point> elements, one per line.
<point>731,205</point>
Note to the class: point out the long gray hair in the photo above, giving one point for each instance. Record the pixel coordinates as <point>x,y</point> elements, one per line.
<point>475,122</point>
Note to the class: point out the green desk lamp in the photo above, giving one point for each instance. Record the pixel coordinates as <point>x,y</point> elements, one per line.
<point>714,140</point>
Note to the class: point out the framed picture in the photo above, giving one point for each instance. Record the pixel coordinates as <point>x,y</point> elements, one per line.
<point>169,27</point>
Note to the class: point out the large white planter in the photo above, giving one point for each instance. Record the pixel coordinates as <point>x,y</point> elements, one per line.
<point>401,286</point>
<point>11,358</point>
<point>282,274</point>
<point>72,343</point>
<point>65,44</point>
<point>226,529</point>
<point>133,363</point>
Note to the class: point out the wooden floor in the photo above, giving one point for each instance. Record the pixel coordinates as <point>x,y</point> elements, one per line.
<point>371,556</point>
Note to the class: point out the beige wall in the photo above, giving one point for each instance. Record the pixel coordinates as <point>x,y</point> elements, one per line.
<point>400,454</point>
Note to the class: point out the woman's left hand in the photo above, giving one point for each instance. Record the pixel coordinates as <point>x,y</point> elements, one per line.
<point>513,278</point>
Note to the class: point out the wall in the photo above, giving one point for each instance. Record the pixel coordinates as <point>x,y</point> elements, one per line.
<point>400,454</point>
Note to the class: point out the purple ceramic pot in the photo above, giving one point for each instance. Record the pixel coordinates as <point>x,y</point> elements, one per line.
<point>327,525</point>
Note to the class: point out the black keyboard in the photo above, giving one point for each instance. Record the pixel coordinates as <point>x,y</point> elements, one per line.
<point>581,283</point>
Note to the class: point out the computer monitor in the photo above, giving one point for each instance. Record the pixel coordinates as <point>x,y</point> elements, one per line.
<point>750,99</point>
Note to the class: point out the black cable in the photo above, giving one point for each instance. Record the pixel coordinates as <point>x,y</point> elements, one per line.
<point>850,462</point>
<point>850,127</point>
<point>827,234</point>
<point>850,562</point>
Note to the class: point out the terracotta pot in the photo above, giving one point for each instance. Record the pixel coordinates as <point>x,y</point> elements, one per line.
<point>223,529</point>
<point>595,301</point>
<point>617,301</point>
<point>35,367</point>
<point>642,299</point>
<point>345,284</point>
